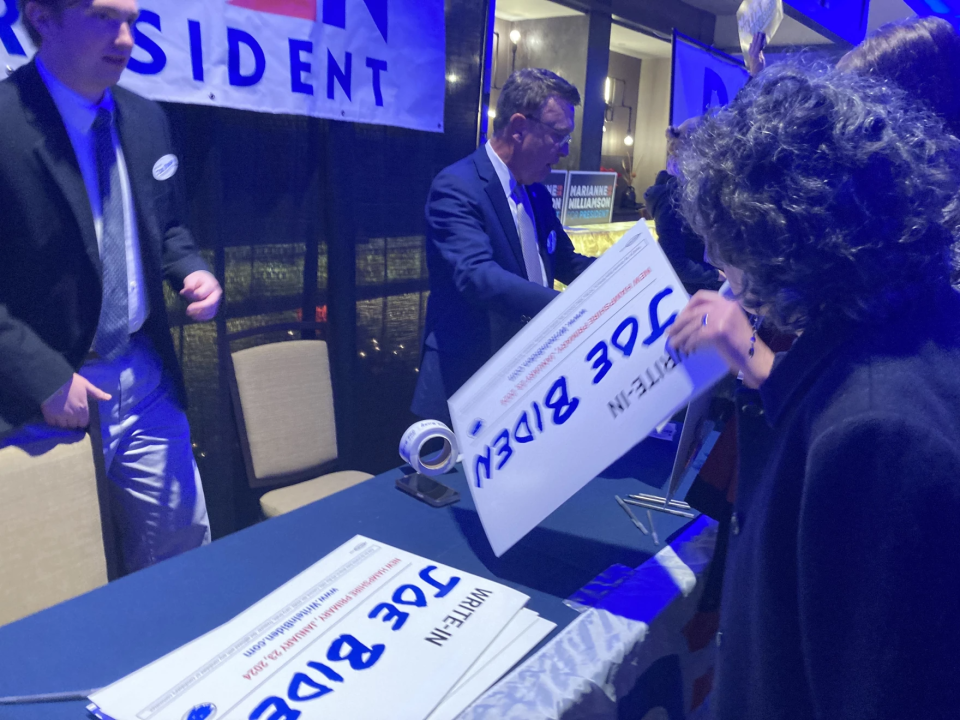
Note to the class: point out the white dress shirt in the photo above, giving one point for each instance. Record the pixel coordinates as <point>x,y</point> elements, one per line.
<point>78,115</point>
<point>522,216</point>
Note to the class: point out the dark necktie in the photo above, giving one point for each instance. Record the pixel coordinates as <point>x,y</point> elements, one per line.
<point>113,330</point>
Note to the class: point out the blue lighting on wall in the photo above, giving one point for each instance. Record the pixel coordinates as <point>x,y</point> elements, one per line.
<point>839,20</point>
<point>949,9</point>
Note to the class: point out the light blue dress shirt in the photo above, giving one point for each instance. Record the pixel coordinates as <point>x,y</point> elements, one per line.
<point>511,189</point>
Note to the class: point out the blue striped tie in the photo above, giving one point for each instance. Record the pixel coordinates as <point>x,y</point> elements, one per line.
<point>113,330</point>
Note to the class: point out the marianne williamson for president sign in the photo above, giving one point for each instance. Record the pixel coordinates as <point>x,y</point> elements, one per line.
<point>589,198</point>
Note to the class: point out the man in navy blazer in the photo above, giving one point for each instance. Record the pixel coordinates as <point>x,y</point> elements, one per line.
<point>91,222</point>
<point>494,243</point>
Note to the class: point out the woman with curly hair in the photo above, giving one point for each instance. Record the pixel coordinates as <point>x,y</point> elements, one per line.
<point>920,55</point>
<point>830,202</point>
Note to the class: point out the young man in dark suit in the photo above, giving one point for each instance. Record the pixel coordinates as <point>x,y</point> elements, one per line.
<point>494,243</point>
<point>90,224</point>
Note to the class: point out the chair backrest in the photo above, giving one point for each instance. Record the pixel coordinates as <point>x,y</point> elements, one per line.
<point>284,407</point>
<point>51,541</point>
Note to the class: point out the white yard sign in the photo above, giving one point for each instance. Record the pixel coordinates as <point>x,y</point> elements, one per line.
<point>585,380</point>
<point>369,631</point>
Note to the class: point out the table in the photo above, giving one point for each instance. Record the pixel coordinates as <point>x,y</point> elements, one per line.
<point>593,240</point>
<point>99,637</point>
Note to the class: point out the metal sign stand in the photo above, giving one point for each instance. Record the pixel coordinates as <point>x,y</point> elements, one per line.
<point>694,432</point>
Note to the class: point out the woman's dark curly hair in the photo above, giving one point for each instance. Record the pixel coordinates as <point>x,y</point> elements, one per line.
<point>835,195</point>
<point>922,56</point>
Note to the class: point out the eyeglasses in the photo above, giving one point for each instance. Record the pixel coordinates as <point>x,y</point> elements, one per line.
<point>557,138</point>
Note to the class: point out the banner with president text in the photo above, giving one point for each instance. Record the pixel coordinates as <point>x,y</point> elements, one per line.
<point>366,61</point>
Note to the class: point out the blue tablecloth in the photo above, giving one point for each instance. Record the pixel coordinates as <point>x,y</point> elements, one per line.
<point>96,639</point>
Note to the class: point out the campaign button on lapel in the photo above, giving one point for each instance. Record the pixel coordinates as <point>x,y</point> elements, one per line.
<point>166,167</point>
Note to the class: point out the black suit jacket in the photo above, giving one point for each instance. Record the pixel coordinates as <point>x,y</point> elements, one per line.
<point>50,279</point>
<point>682,246</point>
<point>479,292</point>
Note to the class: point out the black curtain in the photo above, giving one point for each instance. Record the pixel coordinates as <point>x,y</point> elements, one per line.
<point>317,220</point>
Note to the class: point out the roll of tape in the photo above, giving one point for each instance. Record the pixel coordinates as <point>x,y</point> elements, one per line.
<point>417,435</point>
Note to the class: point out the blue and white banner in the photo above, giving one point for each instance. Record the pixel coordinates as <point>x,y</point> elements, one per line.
<point>702,79</point>
<point>356,60</point>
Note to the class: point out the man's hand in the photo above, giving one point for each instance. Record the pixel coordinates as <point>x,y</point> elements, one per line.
<point>67,407</point>
<point>754,59</point>
<point>203,290</point>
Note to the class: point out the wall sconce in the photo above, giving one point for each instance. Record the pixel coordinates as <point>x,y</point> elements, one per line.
<point>609,95</point>
<point>515,39</point>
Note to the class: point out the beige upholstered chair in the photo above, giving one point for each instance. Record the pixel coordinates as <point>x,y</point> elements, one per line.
<point>51,540</point>
<point>283,401</point>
